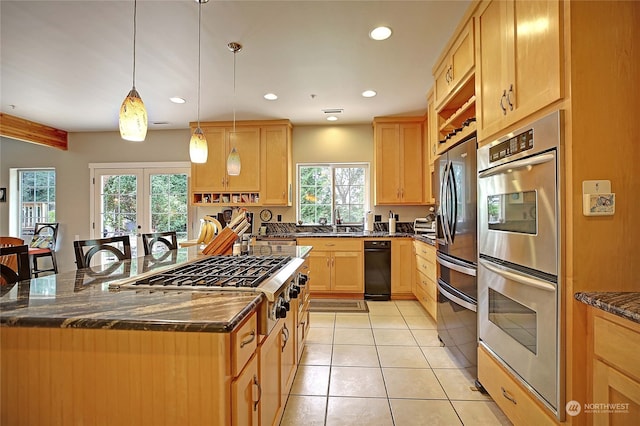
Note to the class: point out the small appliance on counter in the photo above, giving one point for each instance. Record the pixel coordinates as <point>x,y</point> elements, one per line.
<point>423,226</point>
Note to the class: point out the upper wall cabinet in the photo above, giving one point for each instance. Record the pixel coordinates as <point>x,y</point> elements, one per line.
<point>519,61</point>
<point>455,66</point>
<point>276,166</point>
<point>400,161</point>
<point>265,155</point>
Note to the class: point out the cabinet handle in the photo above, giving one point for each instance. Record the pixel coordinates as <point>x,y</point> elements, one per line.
<point>509,94</point>
<point>508,396</point>
<point>257,384</point>
<point>285,337</point>
<point>504,96</point>
<point>252,337</point>
<point>327,262</point>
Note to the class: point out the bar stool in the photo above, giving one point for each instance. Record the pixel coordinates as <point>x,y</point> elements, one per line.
<point>14,264</point>
<point>43,244</point>
<point>84,250</point>
<point>167,239</point>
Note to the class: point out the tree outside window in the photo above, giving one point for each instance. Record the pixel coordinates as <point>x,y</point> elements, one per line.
<point>325,189</point>
<point>37,199</point>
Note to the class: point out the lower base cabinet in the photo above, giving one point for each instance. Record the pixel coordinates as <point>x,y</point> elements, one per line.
<point>425,289</point>
<point>337,266</point>
<point>245,395</point>
<point>616,371</point>
<point>516,403</point>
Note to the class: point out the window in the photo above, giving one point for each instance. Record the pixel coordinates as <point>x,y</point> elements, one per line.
<point>37,189</point>
<point>327,190</point>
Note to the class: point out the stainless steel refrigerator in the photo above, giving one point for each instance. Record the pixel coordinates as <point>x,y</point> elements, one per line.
<point>456,176</point>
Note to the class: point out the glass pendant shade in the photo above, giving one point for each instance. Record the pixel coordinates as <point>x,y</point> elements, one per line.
<point>198,150</point>
<point>133,118</point>
<point>233,163</point>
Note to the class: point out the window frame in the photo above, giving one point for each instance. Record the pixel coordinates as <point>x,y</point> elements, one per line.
<point>334,165</point>
<point>26,233</point>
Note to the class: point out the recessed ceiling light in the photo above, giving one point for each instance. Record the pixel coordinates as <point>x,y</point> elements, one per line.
<point>271,96</point>
<point>369,93</point>
<point>177,100</point>
<point>332,118</point>
<point>380,33</point>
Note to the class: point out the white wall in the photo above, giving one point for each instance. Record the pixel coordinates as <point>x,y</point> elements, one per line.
<point>310,144</point>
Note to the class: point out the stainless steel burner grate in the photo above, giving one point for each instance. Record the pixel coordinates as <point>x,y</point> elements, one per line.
<point>218,272</point>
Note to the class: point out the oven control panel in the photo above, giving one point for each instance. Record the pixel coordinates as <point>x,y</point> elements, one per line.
<point>511,146</point>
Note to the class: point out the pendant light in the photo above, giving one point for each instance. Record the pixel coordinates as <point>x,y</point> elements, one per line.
<point>133,115</point>
<point>233,161</point>
<point>198,150</point>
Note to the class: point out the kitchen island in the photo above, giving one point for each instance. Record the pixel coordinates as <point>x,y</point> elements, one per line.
<point>75,352</point>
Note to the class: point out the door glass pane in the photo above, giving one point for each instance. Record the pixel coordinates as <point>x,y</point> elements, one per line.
<point>168,194</point>
<point>119,216</point>
<point>515,319</point>
<point>37,199</point>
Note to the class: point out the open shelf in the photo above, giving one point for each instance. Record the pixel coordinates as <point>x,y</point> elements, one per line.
<point>225,198</point>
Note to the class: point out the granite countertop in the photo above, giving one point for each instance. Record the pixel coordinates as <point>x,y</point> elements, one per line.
<point>622,304</point>
<point>82,299</point>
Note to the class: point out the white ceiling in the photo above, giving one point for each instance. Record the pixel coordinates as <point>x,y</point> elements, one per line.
<point>68,64</point>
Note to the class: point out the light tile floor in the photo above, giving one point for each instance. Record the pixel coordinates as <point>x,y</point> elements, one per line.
<point>383,368</point>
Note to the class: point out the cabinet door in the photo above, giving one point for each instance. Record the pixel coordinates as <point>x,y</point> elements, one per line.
<point>247,142</point>
<point>412,151</point>
<point>536,65</point>
<point>210,176</point>
<point>270,376</point>
<point>244,394</point>
<point>387,162</point>
<point>348,271</point>
<point>492,67</point>
<point>276,166</point>
<point>320,271</point>
<point>289,350</point>
<point>402,269</point>
<point>612,387</point>
<point>463,55</point>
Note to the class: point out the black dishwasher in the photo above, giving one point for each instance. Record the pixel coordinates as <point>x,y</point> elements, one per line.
<point>377,270</point>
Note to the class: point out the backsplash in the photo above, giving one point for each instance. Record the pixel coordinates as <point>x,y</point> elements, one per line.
<point>290,228</point>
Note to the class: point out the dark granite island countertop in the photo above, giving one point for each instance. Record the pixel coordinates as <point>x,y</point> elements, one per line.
<point>82,299</point>
<point>622,304</point>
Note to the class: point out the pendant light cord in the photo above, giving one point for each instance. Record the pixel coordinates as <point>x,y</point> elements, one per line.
<point>234,90</point>
<point>135,10</point>
<point>199,59</point>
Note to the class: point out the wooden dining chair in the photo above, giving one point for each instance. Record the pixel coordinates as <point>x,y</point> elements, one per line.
<point>166,240</point>
<point>14,264</point>
<point>43,244</point>
<point>120,247</point>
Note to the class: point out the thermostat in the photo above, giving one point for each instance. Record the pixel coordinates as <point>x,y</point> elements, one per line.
<point>597,198</point>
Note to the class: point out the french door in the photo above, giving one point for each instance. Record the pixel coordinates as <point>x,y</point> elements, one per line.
<point>141,198</point>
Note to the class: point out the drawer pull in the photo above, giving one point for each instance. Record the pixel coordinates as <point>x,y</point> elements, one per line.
<point>252,337</point>
<point>508,396</point>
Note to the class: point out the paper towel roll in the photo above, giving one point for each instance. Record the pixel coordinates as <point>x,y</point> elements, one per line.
<point>368,224</point>
<point>392,226</point>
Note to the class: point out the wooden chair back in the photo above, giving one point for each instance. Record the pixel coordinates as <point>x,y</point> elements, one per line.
<point>167,239</point>
<point>10,261</point>
<point>84,250</point>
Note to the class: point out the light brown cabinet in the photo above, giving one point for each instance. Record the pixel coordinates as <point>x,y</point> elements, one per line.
<point>616,372</point>
<point>402,267</point>
<point>276,166</point>
<point>245,399</point>
<point>265,154</point>
<point>336,264</point>
<point>519,63</point>
<point>455,66</point>
<point>425,289</point>
<point>400,161</point>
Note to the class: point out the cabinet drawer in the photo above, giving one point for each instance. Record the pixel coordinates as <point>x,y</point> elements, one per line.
<point>427,285</point>
<point>425,251</point>
<point>244,342</point>
<point>332,244</point>
<point>426,301</point>
<point>616,344</point>
<point>513,400</point>
<point>426,267</point>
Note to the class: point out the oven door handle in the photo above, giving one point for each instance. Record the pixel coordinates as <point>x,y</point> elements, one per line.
<point>456,299</point>
<point>459,268</point>
<point>518,164</point>
<point>518,277</point>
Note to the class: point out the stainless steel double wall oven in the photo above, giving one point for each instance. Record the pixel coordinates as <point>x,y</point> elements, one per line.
<point>518,268</point>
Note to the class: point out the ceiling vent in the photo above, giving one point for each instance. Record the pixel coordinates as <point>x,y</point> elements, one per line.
<point>333,110</point>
